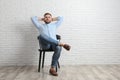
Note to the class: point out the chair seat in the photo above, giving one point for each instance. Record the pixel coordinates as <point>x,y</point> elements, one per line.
<point>50,49</point>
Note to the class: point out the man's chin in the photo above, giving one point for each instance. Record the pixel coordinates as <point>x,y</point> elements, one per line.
<point>47,22</point>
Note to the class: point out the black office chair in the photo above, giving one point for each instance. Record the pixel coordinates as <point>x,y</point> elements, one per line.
<point>42,54</point>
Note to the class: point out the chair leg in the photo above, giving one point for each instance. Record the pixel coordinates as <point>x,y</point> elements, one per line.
<point>43,59</point>
<point>39,61</point>
<point>56,68</point>
<point>58,65</point>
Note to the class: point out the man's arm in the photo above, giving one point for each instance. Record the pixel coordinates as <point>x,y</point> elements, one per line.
<point>35,21</point>
<point>55,19</point>
<point>40,19</point>
<point>59,20</point>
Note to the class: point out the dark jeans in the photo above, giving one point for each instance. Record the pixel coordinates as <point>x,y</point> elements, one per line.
<point>46,43</point>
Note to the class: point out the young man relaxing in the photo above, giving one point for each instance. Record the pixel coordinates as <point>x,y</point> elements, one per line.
<point>47,37</point>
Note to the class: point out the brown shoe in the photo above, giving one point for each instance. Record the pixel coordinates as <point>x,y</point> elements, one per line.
<point>67,47</point>
<point>53,72</point>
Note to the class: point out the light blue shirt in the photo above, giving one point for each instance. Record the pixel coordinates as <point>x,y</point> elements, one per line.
<point>48,29</point>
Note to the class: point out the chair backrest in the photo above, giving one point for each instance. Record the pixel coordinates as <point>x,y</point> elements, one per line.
<point>58,37</point>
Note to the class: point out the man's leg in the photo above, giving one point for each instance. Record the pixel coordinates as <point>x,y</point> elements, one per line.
<point>55,57</point>
<point>57,46</point>
<point>49,40</point>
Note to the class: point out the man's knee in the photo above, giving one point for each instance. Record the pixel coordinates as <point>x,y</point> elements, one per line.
<point>58,48</point>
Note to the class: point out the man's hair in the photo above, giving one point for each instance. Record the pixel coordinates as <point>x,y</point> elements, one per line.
<point>47,14</point>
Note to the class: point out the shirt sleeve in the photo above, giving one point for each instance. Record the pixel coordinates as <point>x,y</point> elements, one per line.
<point>36,22</point>
<point>59,21</point>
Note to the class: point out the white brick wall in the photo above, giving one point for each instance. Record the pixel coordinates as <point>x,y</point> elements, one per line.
<point>92,27</point>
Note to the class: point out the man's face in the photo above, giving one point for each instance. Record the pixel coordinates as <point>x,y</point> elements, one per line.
<point>47,18</point>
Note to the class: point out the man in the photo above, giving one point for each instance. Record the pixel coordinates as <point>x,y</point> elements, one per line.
<point>47,37</point>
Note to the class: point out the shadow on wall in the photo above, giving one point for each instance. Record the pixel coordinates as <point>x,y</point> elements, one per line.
<point>27,50</point>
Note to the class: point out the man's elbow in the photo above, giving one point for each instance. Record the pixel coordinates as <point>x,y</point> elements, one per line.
<point>32,18</point>
<point>60,18</point>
